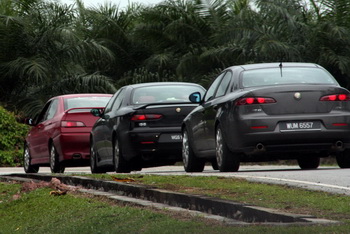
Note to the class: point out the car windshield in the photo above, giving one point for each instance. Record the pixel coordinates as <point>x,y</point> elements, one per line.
<point>286,75</point>
<point>164,93</point>
<point>93,101</point>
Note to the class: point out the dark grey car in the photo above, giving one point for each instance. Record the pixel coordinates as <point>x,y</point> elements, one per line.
<point>141,126</point>
<point>270,111</point>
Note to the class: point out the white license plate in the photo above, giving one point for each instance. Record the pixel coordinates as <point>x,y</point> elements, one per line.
<point>300,126</point>
<point>176,137</point>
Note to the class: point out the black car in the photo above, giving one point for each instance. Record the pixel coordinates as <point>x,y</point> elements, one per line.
<point>141,126</point>
<point>269,111</point>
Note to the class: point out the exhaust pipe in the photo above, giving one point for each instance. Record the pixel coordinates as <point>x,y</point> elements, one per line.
<point>260,147</point>
<point>339,145</point>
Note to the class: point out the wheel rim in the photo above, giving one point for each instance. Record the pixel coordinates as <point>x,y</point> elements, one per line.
<point>92,158</point>
<point>52,157</point>
<point>116,154</point>
<point>219,146</point>
<point>26,158</point>
<point>185,149</point>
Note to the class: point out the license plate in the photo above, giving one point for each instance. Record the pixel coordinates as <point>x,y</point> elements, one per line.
<point>176,137</point>
<point>170,138</point>
<point>300,126</point>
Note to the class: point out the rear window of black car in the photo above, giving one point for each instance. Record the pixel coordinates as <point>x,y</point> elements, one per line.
<point>164,93</point>
<point>286,75</point>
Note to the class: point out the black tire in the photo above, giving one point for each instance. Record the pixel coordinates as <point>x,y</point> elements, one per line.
<point>120,164</point>
<point>309,161</point>
<point>55,165</point>
<point>214,165</point>
<point>191,162</point>
<point>93,161</point>
<point>343,159</point>
<point>27,161</point>
<point>226,160</point>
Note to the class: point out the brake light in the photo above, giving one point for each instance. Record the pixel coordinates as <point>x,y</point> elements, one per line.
<point>254,100</point>
<point>336,97</point>
<point>72,124</point>
<point>146,117</point>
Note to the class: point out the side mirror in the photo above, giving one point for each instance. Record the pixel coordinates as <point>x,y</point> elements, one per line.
<point>195,97</point>
<point>29,121</point>
<point>96,112</point>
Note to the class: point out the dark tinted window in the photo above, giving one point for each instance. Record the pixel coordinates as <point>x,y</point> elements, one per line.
<point>224,85</point>
<point>287,75</point>
<point>210,93</point>
<point>164,93</point>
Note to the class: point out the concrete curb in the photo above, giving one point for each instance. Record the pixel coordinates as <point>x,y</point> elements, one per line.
<point>228,211</point>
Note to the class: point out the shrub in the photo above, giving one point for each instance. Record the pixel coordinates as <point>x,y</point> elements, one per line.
<point>12,136</point>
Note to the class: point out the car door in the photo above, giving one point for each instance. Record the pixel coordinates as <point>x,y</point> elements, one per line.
<point>205,135</point>
<point>42,131</point>
<point>112,122</point>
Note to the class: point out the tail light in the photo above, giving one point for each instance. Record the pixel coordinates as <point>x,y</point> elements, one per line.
<point>72,124</point>
<point>146,117</point>
<point>336,97</point>
<point>254,100</point>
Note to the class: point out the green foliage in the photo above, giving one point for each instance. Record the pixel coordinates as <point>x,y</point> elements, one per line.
<point>12,136</point>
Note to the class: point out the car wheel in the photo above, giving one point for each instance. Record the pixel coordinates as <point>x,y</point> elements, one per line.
<point>214,165</point>
<point>191,162</point>
<point>55,165</point>
<point>120,164</point>
<point>343,159</point>
<point>93,161</point>
<point>309,162</point>
<point>226,160</point>
<point>28,167</point>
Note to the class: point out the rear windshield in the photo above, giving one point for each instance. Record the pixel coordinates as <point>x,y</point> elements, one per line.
<point>78,102</point>
<point>164,93</point>
<point>288,75</point>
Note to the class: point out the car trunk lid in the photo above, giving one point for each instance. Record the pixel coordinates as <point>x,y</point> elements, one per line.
<point>298,99</point>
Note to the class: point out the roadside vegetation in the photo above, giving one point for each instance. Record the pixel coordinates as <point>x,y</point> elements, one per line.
<point>99,49</point>
<point>27,211</point>
<point>12,136</point>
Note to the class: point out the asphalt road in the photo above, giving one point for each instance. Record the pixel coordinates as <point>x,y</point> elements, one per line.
<point>328,179</point>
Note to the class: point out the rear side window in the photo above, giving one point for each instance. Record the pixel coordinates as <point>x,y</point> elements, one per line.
<point>164,93</point>
<point>78,102</point>
<point>286,75</point>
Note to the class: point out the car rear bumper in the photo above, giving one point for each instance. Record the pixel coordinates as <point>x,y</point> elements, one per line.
<point>157,143</point>
<point>329,137</point>
<point>73,146</point>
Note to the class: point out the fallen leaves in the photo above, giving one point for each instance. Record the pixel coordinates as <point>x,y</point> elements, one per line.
<point>59,187</point>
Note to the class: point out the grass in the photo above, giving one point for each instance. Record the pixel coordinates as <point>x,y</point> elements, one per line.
<point>39,212</point>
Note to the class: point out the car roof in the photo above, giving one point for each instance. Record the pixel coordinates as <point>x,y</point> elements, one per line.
<point>160,83</point>
<point>271,65</point>
<point>84,95</point>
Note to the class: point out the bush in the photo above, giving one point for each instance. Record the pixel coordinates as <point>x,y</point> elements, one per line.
<point>12,136</point>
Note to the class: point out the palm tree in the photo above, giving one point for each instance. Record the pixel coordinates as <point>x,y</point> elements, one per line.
<point>47,53</point>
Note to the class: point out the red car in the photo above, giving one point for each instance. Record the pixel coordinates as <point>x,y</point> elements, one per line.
<point>60,133</point>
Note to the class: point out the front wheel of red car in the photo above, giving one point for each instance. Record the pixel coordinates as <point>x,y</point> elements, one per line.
<point>120,164</point>
<point>343,159</point>
<point>191,162</point>
<point>27,161</point>
<point>226,160</point>
<point>55,165</point>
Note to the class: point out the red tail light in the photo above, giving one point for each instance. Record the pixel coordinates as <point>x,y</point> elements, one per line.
<point>254,100</point>
<point>336,97</point>
<point>72,124</point>
<point>146,117</point>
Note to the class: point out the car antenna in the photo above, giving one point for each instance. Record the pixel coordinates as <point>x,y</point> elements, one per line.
<point>281,68</point>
